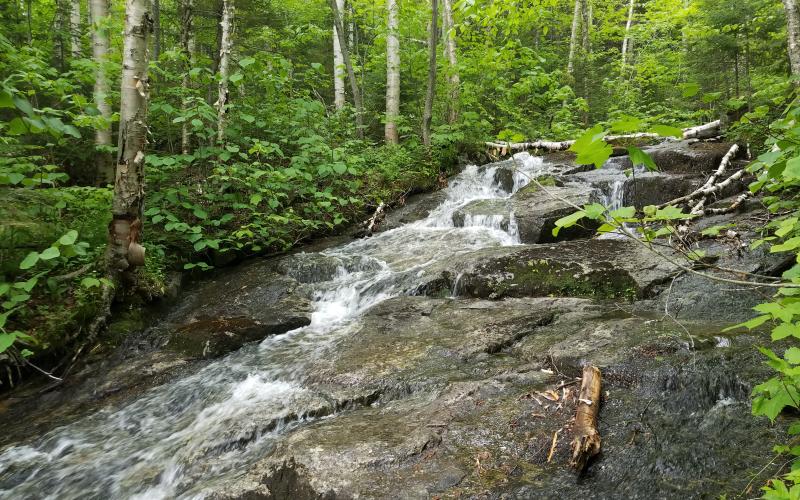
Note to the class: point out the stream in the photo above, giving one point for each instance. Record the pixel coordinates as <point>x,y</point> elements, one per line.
<point>426,357</point>
<point>168,442</point>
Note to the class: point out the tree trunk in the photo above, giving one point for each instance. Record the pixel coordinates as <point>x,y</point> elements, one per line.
<point>75,29</point>
<point>587,25</point>
<point>217,51</point>
<point>631,6</point>
<point>187,42</point>
<point>427,115</point>
<point>573,38</point>
<point>339,72</point>
<point>125,229</point>
<point>392,74</point>
<point>453,78</point>
<point>224,66</point>
<point>351,75</point>
<point>793,31</point>
<point>102,138</point>
<point>156,29</point>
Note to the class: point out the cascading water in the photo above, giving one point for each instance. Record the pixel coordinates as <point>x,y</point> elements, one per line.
<point>178,439</point>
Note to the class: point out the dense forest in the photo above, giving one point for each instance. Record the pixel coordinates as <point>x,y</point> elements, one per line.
<point>149,143</point>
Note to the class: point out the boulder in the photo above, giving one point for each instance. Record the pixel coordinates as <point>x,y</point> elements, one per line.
<point>537,211</point>
<point>585,268</point>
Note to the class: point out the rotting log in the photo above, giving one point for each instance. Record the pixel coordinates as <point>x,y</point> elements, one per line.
<point>586,443</point>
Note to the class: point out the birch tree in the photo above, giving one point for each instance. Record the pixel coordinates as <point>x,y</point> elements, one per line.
<point>75,29</point>
<point>431,92</point>
<point>392,74</point>
<point>351,74</point>
<point>453,78</point>
<point>625,40</point>
<point>793,32</point>
<point>573,38</point>
<point>126,224</point>
<point>102,137</point>
<point>156,29</point>
<point>187,47</point>
<point>339,72</point>
<point>226,44</point>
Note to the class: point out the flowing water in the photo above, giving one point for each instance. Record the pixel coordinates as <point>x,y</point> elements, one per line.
<point>176,440</point>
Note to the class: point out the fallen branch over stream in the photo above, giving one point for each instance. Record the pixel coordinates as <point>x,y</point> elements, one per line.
<point>586,443</point>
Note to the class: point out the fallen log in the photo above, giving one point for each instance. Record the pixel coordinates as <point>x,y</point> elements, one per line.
<point>704,131</point>
<point>723,165</point>
<point>586,443</point>
<point>705,191</point>
<point>372,223</point>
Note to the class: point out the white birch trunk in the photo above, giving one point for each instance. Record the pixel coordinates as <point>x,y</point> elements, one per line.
<point>75,29</point>
<point>427,115</point>
<point>224,66</point>
<point>125,228</point>
<point>453,78</point>
<point>102,138</point>
<point>627,32</point>
<point>339,71</point>
<point>392,73</point>
<point>793,32</point>
<point>573,38</point>
<point>187,46</point>
<point>351,74</point>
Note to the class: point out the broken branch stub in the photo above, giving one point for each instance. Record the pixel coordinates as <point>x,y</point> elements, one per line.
<point>586,443</point>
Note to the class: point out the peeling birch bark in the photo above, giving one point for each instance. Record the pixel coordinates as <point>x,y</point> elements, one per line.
<point>351,75</point>
<point>75,29</point>
<point>625,40</point>
<point>127,203</point>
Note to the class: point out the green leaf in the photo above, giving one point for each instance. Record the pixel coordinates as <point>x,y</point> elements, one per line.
<point>69,238</point>
<point>792,355</point>
<point>50,253</point>
<point>667,131</point>
<point>23,105</point>
<point>792,170</point>
<point>785,330</point>
<point>90,282</point>
<point>689,89</point>
<point>750,324</point>
<point>29,261</point>
<point>200,213</point>
<point>247,61</point>
<point>591,148</point>
<point>339,168</point>
<point>568,221</point>
<point>7,340</point>
<point>5,99</point>
<point>236,77</point>
<point>639,157</point>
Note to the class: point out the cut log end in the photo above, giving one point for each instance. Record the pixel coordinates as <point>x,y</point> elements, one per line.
<point>587,443</point>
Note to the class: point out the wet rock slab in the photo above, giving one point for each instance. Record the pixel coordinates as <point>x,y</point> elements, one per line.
<point>244,306</point>
<point>611,268</point>
<point>675,418</point>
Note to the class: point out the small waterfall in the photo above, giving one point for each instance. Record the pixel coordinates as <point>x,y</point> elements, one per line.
<point>614,199</point>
